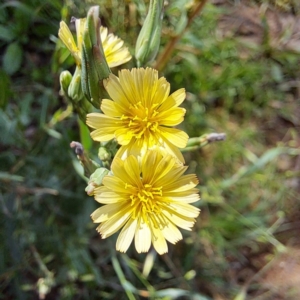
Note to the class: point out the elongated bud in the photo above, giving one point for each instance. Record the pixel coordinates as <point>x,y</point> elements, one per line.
<point>88,164</point>
<point>148,41</point>
<point>75,90</point>
<point>196,143</point>
<point>96,180</point>
<point>93,62</point>
<point>71,85</point>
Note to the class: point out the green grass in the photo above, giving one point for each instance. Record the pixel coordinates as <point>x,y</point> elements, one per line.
<point>249,183</point>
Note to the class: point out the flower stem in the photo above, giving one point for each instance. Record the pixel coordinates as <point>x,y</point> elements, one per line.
<point>199,142</point>
<point>165,56</point>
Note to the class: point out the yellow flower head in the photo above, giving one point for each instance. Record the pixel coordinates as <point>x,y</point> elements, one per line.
<point>115,52</point>
<point>141,114</point>
<point>149,199</point>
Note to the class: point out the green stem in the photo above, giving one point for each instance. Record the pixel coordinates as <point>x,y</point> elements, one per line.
<point>165,56</point>
<point>198,142</point>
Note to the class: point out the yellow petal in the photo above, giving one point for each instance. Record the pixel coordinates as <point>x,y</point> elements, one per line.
<point>147,85</point>
<point>173,150</point>
<point>105,126</point>
<point>122,152</point>
<point>175,136</point>
<point>115,53</point>
<point>105,212</point>
<point>115,91</point>
<point>170,177</point>
<point>107,197</point>
<point>149,164</point>
<point>178,96</point>
<point>132,168</point>
<point>113,224</point>
<point>162,91</point>
<point>163,167</point>
<point>116,184</point>
<point>111,108</point>
<point>185,209</point>
<point>79,24</point>
<point>172,233</point>
<point>158,241</point>
<point>132,90</point>
<point>103,33</point>
<point>185,197</point>
<point>117,163</point>
<point>126,236</point>
<point>171,117</point>
<point>127,171</point>
<point>178,219</point>
<point>66,36</point>
<point>98,120</point>
<point>173,100</point>
<point>184,183</point>
<point>142,238</point>
<point>99,136</point>
<point>123,135</point>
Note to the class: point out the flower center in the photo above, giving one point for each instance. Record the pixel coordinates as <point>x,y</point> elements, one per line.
<point>146,201</point>
<point>142,120</point>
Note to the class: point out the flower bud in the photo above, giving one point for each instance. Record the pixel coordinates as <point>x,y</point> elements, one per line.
<point>148,41</point>
<point>93,63</point>
<point>89,166</point>
<point>71,89</point>
<point>96,180</point>
<point>65,79</point>
<point>75,90</point>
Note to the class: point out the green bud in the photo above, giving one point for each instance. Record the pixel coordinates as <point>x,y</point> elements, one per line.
<point>75,90</point>
<point>103,154</point>
<point>71,89</point>
<point>148,41</point>
<point>96,180</point>
<point>89,166</point>
<point>65,79</point>
<point>196,143</point>
<point>93,61</point>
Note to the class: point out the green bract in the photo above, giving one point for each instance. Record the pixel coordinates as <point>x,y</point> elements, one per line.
<point>94,65</point>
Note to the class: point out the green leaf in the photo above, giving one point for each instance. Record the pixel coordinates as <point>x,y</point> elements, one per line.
<point>267,157</point>
<point>6,34</point>
<point>5,90</point>
<point>12,58</point>
<point>9,177</point>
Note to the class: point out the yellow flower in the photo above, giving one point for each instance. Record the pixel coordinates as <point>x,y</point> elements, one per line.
<point>141,114</point>
<point>115,53</point>
<point>149,199</point>
<point>66,37</point>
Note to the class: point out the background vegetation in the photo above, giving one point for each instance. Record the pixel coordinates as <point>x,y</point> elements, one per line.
<point>240,67</point>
